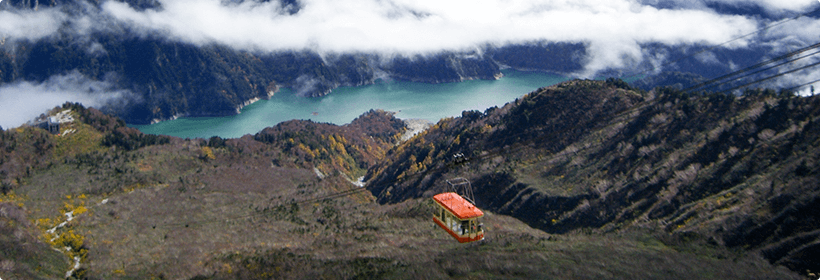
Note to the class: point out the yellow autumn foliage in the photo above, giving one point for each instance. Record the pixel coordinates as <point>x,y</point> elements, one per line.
<point>208,153</point>
<point>68,239</point>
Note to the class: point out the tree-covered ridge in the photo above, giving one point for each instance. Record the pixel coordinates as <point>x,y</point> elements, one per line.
<point>558,110</point>
<point>600,157</point>
<point>350,149</point>
<point>26,149</point>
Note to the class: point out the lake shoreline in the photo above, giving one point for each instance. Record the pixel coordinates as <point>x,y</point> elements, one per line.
<point>410,100</point>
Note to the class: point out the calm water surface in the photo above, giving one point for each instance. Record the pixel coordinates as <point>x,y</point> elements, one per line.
<point>410,100</point>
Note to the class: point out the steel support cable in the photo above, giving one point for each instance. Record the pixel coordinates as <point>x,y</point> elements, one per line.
<point>753,73</point>
<point>800,86</point>
<point>750,68</point>
<point>782,21</point>
<point>771,77</point>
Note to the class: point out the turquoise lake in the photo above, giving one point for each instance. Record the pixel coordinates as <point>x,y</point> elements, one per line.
<point>409,100</point>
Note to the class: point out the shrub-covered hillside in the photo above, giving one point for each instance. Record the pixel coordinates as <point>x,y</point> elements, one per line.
<point>595,156</point>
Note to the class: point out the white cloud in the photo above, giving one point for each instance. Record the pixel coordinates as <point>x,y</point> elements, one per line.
<point>707,58</point>
<point>613,31</point>
<point>612,28</point>
<point>30,25</point>
<point>804,29</point>
<point>369,25</point>
<point>24,101</point>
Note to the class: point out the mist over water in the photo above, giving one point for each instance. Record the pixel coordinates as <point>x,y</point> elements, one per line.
<point>408,99</point>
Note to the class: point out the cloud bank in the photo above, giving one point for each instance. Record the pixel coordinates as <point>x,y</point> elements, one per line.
<point>24,101</point>
<point>30,25</point>
<point>613,31</point>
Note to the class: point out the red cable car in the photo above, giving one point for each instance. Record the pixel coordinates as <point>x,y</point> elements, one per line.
<point>458,217</point>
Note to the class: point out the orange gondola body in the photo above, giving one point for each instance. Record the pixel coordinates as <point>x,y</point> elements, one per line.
<point>458,217</point>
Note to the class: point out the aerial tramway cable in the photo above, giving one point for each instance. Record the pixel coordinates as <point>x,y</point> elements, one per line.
<point>711,83</point>
<point>800,86</point>
<point>782,21</point>
<point>770,77</point>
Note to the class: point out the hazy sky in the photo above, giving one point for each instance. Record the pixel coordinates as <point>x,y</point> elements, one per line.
<point>612,30</point>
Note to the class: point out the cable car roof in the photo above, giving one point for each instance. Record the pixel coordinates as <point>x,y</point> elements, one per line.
<point>457,205</point>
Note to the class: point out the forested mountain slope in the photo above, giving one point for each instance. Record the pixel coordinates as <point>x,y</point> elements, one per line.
<point>594,156</point>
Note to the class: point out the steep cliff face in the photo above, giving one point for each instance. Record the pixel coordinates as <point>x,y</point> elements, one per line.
<point>600,157</point>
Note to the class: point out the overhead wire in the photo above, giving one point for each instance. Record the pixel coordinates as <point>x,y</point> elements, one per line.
<point>802,85</point>
<point>770,77</point>
<point>709,84</point>
<point>780,22</point>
